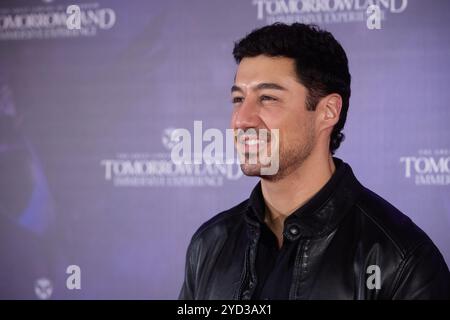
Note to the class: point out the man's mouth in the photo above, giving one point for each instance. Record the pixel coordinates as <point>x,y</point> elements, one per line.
<point>251,143</point>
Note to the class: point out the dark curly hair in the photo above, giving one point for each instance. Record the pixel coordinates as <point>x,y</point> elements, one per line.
<point>320,61</point>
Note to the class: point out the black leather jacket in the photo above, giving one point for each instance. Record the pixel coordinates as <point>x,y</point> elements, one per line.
<point>338,241</point>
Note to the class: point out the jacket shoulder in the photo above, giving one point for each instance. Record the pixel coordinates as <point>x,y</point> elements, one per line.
<point>386,221</point>
<point>222,223</point>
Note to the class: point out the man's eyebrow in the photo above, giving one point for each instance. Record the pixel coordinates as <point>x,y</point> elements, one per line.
<point>236,88</point>
<point>270,86</point>
<point>261,86</point>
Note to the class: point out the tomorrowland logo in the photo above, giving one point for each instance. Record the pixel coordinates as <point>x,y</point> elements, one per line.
<point>51,21</point>
<point>322,11</point>
<point>428,168</point>
<point>159,170</point>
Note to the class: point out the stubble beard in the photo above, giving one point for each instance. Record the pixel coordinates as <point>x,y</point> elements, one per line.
<point>291,157</point>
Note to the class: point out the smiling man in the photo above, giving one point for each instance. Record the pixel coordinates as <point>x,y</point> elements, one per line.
<point>310,230</point>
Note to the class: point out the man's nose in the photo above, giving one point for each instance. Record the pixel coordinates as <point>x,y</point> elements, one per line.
<point>247,115</point>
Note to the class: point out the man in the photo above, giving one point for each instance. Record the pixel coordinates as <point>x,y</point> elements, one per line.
<point>310,231</point>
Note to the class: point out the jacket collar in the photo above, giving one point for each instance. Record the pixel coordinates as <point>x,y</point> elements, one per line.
<point>321,214</point>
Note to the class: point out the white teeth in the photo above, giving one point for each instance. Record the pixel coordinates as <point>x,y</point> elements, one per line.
<point>253,142</point>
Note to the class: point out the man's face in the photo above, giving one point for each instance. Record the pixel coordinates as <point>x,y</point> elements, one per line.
<point>267,95</point>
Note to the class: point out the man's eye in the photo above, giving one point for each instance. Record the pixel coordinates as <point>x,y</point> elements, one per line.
<point>267,98</point>
<point>237,99</point>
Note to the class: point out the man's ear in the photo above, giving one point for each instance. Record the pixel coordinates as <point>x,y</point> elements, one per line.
<point>329,110</point>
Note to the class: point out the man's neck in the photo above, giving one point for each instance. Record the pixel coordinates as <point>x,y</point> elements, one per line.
<point>284,196</point>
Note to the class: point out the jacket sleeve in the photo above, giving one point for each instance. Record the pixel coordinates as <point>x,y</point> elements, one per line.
<point>188,288</point>
<point>423,275</point>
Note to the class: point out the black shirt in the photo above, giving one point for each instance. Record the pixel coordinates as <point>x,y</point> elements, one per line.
<point>274,266</point>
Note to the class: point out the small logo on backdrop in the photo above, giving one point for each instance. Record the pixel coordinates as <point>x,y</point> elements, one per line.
<point>328,11</point>
<point>428,167</point>
<point>43,288</point>
<point>167,140</point>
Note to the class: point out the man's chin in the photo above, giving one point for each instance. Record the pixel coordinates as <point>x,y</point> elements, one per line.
<point>254,170</point>
<point>251,170</point>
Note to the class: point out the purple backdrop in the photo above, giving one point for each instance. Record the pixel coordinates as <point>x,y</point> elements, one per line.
<point>86,116</point>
